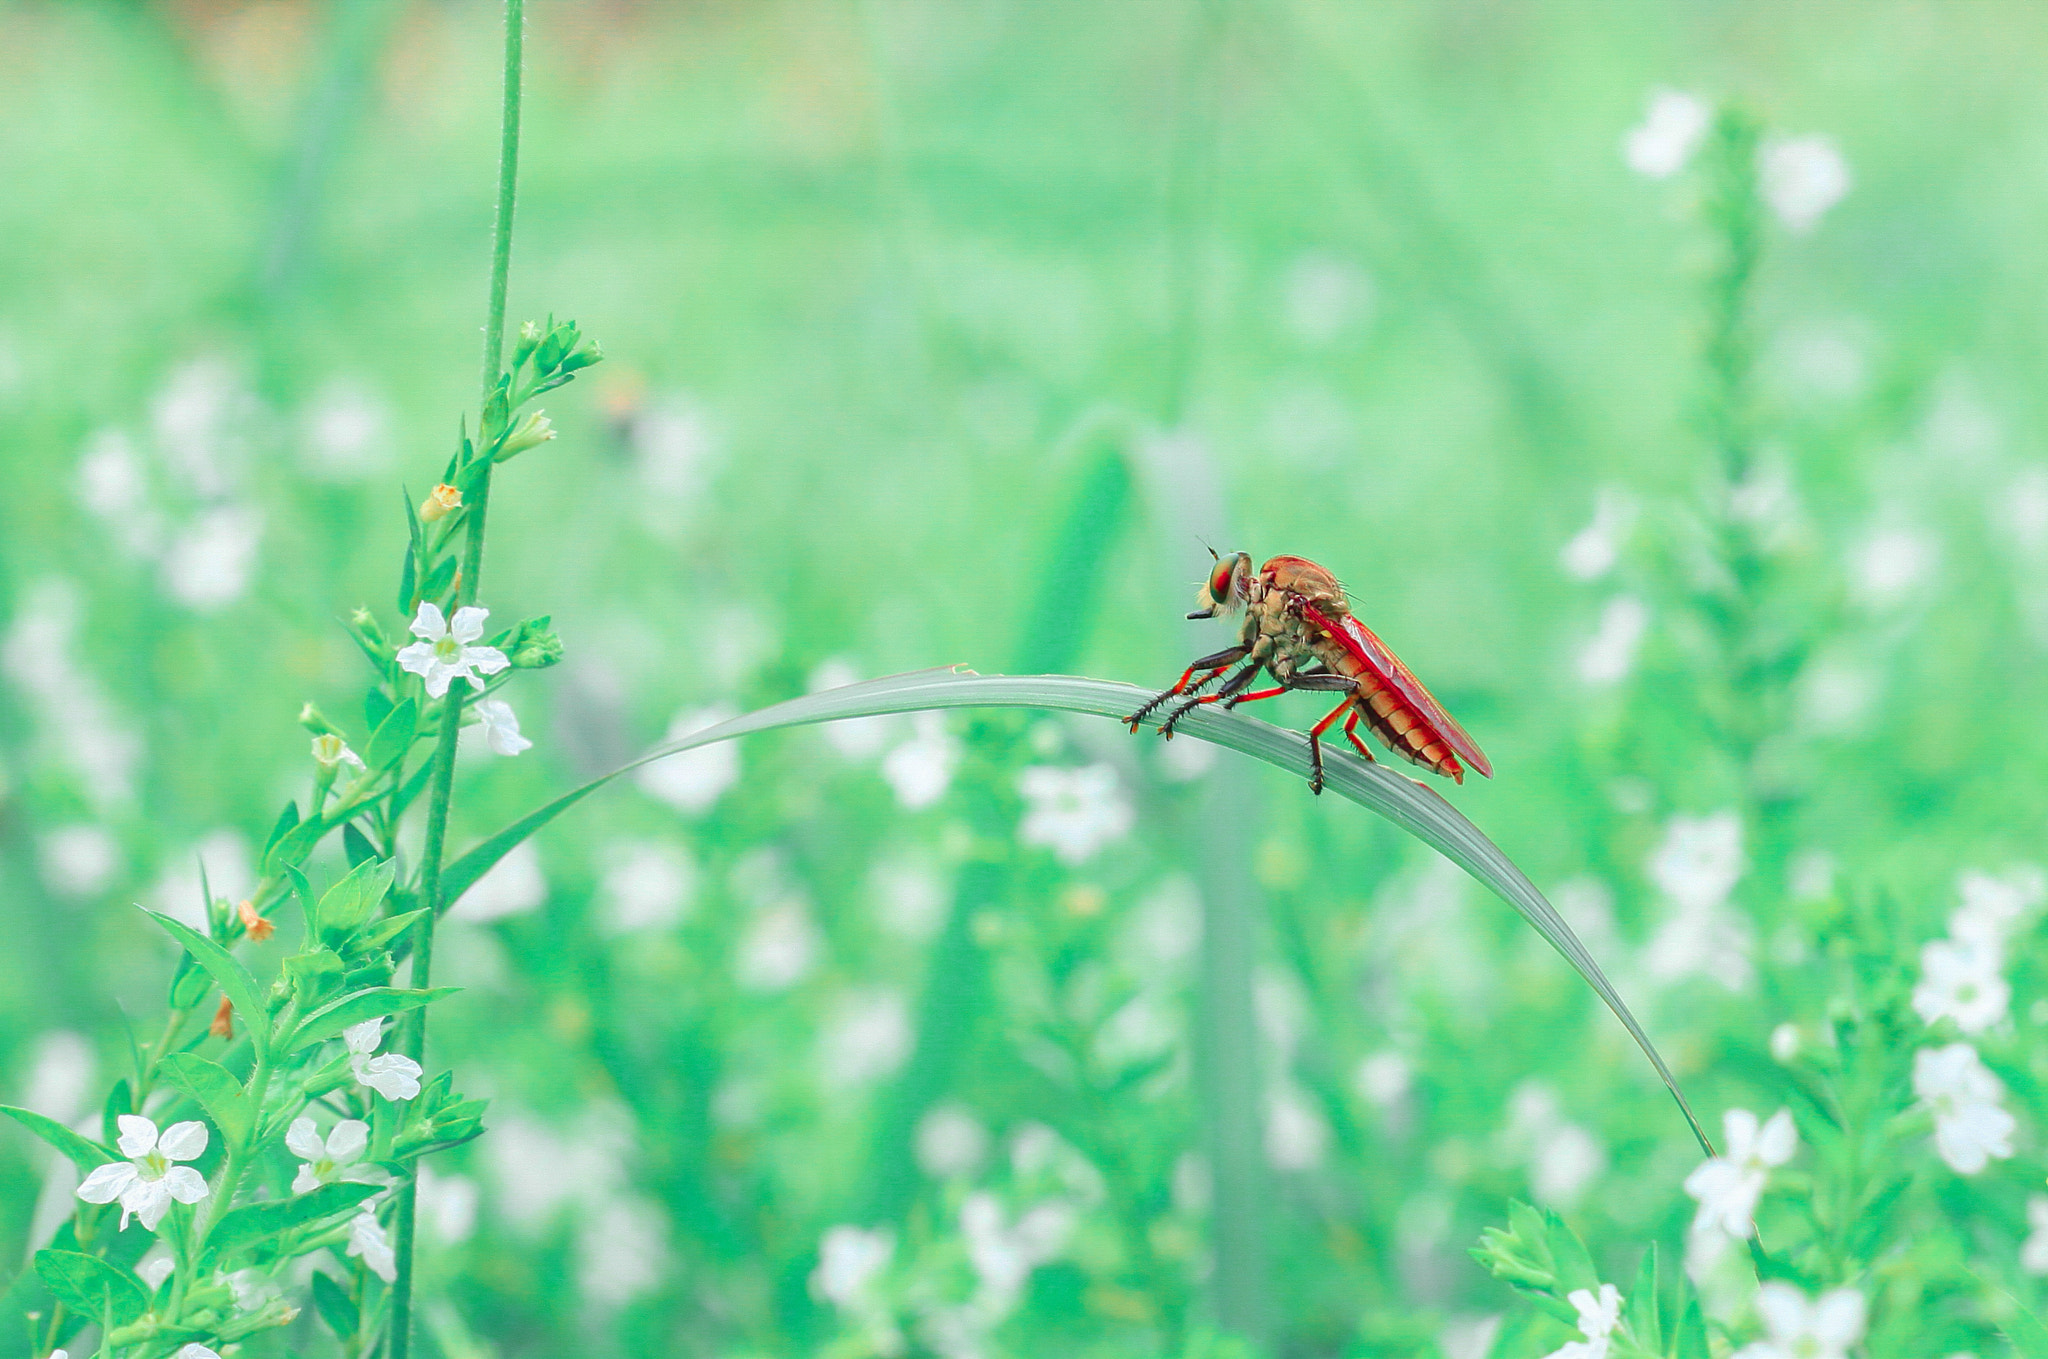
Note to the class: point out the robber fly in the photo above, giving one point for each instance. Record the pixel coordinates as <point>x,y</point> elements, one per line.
<point>1298,627</point>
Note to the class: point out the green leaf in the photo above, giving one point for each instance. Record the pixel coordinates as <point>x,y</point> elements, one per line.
<point>439,579</point>
<point>335,1306</point>
<point>217,1092</point>
<point>377,706</point>
<point>286,819</point>
<point>82,1151</point>
<point>1643,1316</point>
<point>226,970</point>
<point>91,1285</point>
<point>393,737</point>
<point>254,1223</point>
<point>379,934</point>
<point>1575,1268</point>
<point>375,1003</point>
<point>120,1100</point>
<point>1419,810</point>
<point>296,845</point>
<point>347,904</point>
<point>356,845</point>
<point>315,975</point>
<point>408,579</point>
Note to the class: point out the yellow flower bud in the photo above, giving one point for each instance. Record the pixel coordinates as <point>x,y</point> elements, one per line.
<point>439,501</point>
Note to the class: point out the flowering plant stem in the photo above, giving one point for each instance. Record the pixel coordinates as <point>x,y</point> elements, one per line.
<point>399,1342</point>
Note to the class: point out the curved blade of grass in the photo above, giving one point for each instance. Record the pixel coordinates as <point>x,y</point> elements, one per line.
<point>1408,804</point>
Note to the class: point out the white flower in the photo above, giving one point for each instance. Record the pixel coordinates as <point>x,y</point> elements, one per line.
<point>1802,177</point>
<point>1786,1042</point>
<point>147,1182</point>
<point>1610,654</point>
<point>1970,1127</point>
<point>333,1161</point>
<point>330,752</point>
<point>393,1076</point>
<point>1593,551</point>
<point>1993,903</point>
<point>951,1141</point>
<point>208,565</point>
<point>849,1258</point>
<point>1728,1186</point>
<point>155,1266</point>
<point>921,769</point>
<point>1700,859</point>
<point>695,779</point>
<point>1822,1329</point>
<point>867,1037</point>
<point>1960,980</point>
<point>366,1238</point>
<point>647,885</point>
<point>195,1350</point>
<point>444,653</point>
<point>2034,1251</point>
<point>1671,130</point>
<point>1072,812</point>
<point>501,726</point>
<point>514,884</point>
<point>1597,1319</point>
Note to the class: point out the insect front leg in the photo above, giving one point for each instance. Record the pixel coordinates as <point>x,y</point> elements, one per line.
<point>1215,665</point>
<point>1234,686</point>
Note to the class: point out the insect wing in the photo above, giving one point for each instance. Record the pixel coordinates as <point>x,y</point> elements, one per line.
<point>1376,654</point>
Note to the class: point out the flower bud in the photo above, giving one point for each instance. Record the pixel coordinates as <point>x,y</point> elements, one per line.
<point>534,430</point>
<point>530,336</point>
<point>439,502</point>
<point>365,625</point>
<point>533,645</point>
<point>223,1025</point>
<point>330,752</point>
<point>313,720</point>
<point>556,347</point>
<point>259,927</point>
<point>497,411</point>
<point>584,355</point>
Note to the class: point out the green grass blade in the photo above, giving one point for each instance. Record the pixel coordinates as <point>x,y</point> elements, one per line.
<point>1408,804</point>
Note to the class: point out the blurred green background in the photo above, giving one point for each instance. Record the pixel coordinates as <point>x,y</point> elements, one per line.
<point>949,331</point>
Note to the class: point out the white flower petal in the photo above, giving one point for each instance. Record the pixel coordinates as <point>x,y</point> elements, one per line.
<point>185,1184</point>
<point>138,1135</point>
<point>1838,1318</point>
<point>392,1076</point>
<point>428,625</point>
<point>307,1180</point>
<point>147,1201</point>
<point>468,624</point>
<point>365,1036</point>
<point>348,1140</point>
<point>108,1182</point>
<point>488,659</point>
<point>183,1141</point>
<point>303,1139</point>
<point>1778,1140</point>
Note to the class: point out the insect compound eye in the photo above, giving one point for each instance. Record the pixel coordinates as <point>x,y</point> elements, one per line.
<point>1220,580</point>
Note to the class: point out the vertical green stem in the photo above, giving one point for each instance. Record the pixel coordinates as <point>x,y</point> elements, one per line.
<point>399,1344</point>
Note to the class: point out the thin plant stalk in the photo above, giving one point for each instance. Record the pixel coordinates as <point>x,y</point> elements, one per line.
<point>399,1342</point>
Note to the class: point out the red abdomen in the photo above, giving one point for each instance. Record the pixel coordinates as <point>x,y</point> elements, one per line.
<point>1405,717</point>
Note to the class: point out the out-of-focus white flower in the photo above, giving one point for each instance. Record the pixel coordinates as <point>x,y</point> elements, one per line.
<point>1673,125</point>
<point>1610,654</point>
<point>857,738</point>
<point>1598,1316</point>
<point>1824,1328</point>
<point>344,433</point>
<point>1004,1255</point>
<point>78,861</point>
<point>1700,859</point>
<point>1297,1136</point>
<point>866,1037</point>
<point>501,726</point>
<point>156,1265</point>
<point>60,1075</point>
<point>2034,1252</point>
<point>1786,1042</point>
<point>1729,1185</point>
<point>695,779</point>
<point>1384,1078</point>
<point>950,1142</point>
<point>393,1075</point>
<point>779,949</point>
<point>148,1181</point>
<point>622,1250</point>
<point>199,418</point>
<point>1183,761</point>
<point>1801,178</point>
<point>1889,563</point>
<point>366,1238</point>
<point>921,769</point>
<point>515,884</point>
<point>208,565</point>
<point>444,652</point>
<point>333,1161</point>
<point>1595,548</point>
<point>909,897</point>
<point>1994,903</point>
<point>448,1204</point>
<point>192,1350</point>
<point>1470,1337</point>
<point>1961,980</point>
<point>1322,295</point>
<point>648,885</point>
<point>849,1259</point>
<point>1971,1128</point>
<point>1073,812</point>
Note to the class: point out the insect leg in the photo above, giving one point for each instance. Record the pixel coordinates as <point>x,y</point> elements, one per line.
<point>1315,745</point>
<point>1351,734</point>
<point>1235,685</point>
<point>1215,665</point>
